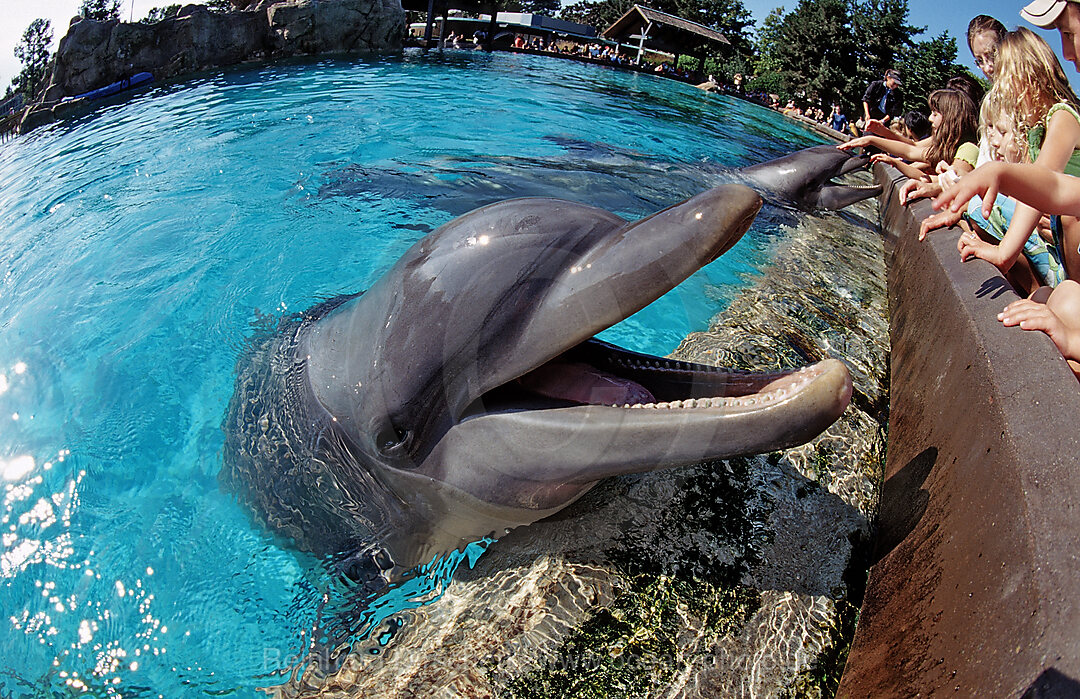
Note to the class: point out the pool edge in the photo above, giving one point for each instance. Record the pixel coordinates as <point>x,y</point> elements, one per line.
<point>974,577</point>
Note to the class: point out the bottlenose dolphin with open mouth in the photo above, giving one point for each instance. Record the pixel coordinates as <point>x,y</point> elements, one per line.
<point>804,178</point>
<point>464,395</point>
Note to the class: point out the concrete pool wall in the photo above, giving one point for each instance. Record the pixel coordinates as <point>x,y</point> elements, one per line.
<point>974,588</point>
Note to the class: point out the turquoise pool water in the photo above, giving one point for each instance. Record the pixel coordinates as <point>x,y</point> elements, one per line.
<point>142,244</point>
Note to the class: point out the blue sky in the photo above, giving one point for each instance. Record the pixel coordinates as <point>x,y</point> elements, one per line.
<point>937,15</point>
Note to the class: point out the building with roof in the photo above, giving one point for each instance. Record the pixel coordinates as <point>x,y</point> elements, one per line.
<point>647,29</point>
<point>507,24</point>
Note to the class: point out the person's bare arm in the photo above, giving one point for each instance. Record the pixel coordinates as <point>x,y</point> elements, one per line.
<point>1045,190</point>
<point>878,128</point>
<point>911,170</point>
<point>907,151</point>
<point>1062,136</point>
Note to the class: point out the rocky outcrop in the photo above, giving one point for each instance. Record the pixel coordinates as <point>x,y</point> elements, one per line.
<point>95,54</point>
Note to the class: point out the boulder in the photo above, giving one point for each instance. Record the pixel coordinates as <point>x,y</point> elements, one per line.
<point>95,54</point>
<point>324,26</point>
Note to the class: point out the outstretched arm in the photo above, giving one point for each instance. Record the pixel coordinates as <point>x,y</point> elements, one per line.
<point>1062,136</point>
<point>908,151</point>
<point>911,170</point>
<point>877,127</point>
<point>1045,190</point>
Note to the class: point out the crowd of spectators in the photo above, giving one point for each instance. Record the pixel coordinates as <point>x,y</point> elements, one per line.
<point>1003,166</point>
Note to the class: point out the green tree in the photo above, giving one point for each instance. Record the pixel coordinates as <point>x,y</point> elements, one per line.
<point>157,14</point>
<point>808,54</point>
<point>730,18</point>
<point>100,10</point>
<point>881,32</point>
<point>767,42</point>
<point>547,8</point>
<point>33,52</point>
<point>600,14</point>
<point>927,66</point>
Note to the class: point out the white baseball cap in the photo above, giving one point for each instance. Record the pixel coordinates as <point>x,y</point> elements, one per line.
<point>1043,13</point>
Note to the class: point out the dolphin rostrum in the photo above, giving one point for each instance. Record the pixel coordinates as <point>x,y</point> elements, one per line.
<point>804,178</point>
<point>464,395</point>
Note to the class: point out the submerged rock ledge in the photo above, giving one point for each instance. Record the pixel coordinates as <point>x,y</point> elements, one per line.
<point>95,54</point>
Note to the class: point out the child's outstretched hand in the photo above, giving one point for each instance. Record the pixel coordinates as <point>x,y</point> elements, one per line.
<point>1030,315</point>
<point>942,219</point>
<point>878,128</point>
<point>983,181</point>
<point>860,142</point>
<point>917,189</point>
<point>885,158</point>
<point>970,245</point>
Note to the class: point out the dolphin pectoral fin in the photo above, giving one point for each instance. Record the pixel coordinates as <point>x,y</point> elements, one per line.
<point>835,196</point>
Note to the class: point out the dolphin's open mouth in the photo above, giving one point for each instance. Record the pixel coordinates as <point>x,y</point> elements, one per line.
<point>837,195</point>
<point>596,373</point>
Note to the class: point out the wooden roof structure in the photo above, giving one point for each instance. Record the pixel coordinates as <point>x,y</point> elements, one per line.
<point>657,30</point>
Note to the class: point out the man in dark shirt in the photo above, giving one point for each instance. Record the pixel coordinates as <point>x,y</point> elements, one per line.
<point>882,98</point>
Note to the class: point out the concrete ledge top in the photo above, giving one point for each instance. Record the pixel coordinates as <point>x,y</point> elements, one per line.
<point>975,588</point>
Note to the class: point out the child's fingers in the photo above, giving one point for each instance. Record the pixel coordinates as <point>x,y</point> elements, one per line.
<point>988,198</point>
<point>941,220</point>
<point>1019,311</point>
<point>968,246</point>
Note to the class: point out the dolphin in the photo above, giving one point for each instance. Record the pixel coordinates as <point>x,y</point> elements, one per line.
<point>804,178</point>
<point>615,178</point>
<point>464,395</point>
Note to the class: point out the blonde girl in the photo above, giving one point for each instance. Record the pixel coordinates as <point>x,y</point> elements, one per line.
<point>999,132</point>
<point>1032,90</point>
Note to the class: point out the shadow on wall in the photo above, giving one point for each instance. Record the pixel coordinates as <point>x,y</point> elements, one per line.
<point>903,502</point>
<point>1052,685</point>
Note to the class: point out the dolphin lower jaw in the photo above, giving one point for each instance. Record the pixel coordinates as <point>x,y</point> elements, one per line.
<point>837,196</point>
<point>517,441</point>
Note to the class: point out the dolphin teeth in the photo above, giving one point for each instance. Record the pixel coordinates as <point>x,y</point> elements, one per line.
<point>649,405</point>
<point>664,404</point>
<point>675,404</point>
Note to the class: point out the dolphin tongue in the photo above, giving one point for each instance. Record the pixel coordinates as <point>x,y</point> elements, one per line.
<point>585,385</point>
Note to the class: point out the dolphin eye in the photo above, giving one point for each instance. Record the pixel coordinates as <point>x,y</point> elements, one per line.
<point>390,438</point>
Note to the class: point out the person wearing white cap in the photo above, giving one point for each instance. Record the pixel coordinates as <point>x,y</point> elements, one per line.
<point>1063,15</point>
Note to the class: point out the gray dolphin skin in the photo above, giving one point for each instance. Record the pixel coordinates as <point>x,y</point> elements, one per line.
<point>804,178</point>
<point>463,394</point>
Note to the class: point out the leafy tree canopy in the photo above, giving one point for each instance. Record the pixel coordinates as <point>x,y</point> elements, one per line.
<point>157,14</point>
<point>827,51</point>
<point>601,14</point>
<point>33,52</point>
<point>926,66</point>
<point>100,10</point>
<point>548,8</point>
